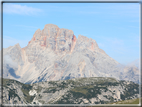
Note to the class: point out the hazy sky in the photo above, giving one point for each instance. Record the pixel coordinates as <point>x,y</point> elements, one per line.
<point>114,26</point>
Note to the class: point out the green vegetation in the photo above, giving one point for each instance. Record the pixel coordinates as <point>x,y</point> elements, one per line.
<point>25,89</point>
<point>41,101</point>
<point>28,98</point>
<point>132,101</point>
<point>56,86</point>
<point>130,90</point>
<point>50,90</point>
<point>12,94</point>
<point>8,82</point>
<point>15,102</point>
<point>52,82</point>
<point>90,88</point>
<point>80,88</point>
<point>39,88</point>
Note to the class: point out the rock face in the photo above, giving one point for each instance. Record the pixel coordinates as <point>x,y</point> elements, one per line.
<point>56,54</point>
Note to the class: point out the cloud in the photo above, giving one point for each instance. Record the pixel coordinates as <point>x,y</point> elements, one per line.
<point>9,41</point>
<point>19,9</point>
<point>7,59</point>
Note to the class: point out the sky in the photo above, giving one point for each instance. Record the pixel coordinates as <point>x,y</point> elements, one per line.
<point>114,26</point>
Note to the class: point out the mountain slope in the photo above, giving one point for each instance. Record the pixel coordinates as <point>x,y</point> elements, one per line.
<point>56,54</point>
<point>135,63</point>
<point>93,90</point>
<point>132,101</point>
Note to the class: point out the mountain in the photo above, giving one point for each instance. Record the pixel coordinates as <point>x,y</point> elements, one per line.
<point>56,54</point>
<point>135,63</point>
<point>91,90</point>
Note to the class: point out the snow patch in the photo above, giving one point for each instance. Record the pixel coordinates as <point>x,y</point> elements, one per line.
<point>32,92</point>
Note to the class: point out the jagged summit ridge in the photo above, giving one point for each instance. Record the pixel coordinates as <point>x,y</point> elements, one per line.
<point>56,54</point>
<point>60,39</point>
<point>54,38</point>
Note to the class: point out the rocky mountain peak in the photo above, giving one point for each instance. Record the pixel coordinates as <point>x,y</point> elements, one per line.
<point>61,40</point>
<point>83,38</point>
<point>54,38</point>
<point>56,54</point>
<point>51,26</point>
<point>83,42</point>
<point>17,45</point>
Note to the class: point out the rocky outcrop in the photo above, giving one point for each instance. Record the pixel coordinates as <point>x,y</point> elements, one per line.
<point>92,90</point>
<point>56,54</point>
